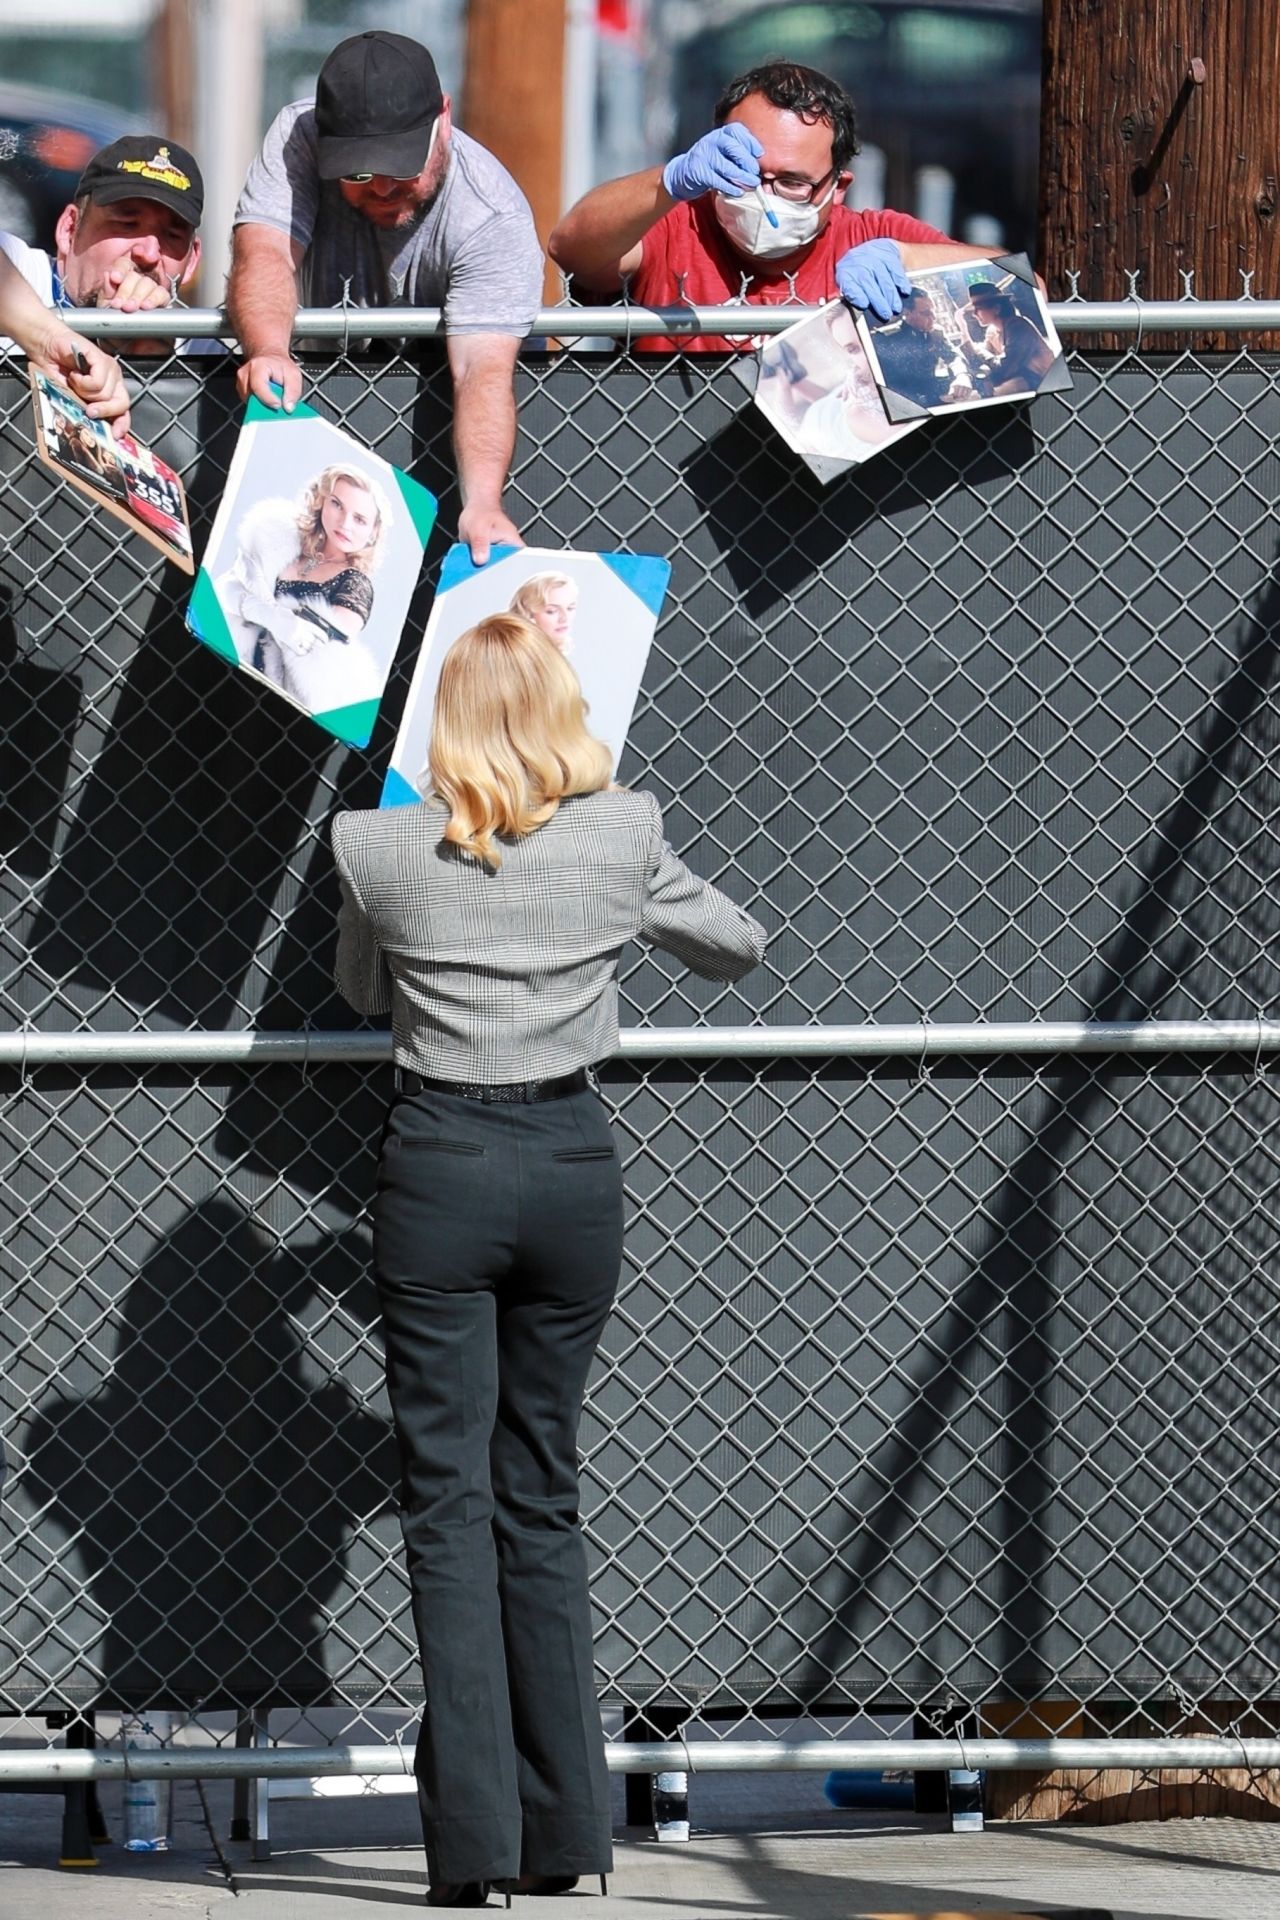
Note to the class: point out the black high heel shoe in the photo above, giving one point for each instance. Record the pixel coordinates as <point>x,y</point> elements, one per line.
<point>459,1893</point>
<point>543,1883</point>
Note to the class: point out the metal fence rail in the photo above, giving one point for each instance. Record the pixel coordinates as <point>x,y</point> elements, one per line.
<point>632,322</point>
<point>944,1373</point>
<point>874,1040</point>
<point>66,1766</point>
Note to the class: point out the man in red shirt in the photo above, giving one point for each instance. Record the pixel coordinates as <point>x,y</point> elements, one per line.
<point>754,210</point>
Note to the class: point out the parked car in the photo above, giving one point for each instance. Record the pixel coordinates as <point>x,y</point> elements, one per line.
<point>45,140</point>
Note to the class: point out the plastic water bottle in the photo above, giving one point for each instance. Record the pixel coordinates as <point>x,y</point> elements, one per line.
<point>964,1796</point>
<point>146,1802</point>
<point>671,1806</point>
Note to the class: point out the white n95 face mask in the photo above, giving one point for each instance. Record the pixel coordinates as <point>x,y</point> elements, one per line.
<point>746,221</point>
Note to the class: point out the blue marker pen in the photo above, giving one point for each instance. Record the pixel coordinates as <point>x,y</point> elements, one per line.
<point>768,211</point>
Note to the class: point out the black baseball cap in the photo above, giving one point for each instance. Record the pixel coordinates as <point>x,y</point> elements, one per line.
<point>377,99</point>
<point>145,166</point>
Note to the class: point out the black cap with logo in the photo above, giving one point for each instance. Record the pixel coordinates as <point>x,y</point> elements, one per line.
<point>377,99</point>
<point>145,166</point>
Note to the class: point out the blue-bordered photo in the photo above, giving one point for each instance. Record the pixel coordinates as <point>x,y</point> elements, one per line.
<point>599,609</point>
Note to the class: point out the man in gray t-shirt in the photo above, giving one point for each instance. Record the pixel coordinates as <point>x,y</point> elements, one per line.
<point>371,184</point>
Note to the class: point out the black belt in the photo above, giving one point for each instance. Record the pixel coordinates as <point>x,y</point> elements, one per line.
<point>503,1093</point>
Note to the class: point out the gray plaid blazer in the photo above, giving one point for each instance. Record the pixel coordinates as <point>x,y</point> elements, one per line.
<point>513,975</point>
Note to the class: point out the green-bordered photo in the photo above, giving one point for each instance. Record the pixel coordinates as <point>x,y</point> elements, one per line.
<point>314,556</point>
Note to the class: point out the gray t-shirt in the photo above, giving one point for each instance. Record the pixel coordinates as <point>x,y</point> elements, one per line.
<point>474,252</point>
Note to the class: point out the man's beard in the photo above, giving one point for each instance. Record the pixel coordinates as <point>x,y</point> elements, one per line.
<point>410,217</point>
<point>415,213</point>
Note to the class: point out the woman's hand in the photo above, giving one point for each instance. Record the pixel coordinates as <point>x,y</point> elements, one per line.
<point>93,376</point>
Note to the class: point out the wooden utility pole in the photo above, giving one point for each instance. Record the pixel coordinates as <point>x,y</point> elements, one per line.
<point>1160,147</point>
<point>513,99</point>
<point>173,69</point>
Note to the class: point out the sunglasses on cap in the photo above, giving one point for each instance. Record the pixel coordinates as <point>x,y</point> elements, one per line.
<point>401,179</point>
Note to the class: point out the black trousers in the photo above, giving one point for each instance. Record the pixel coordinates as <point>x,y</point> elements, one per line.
<point>497,1248</point>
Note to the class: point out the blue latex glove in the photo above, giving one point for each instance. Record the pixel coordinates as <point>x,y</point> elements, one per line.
<point>726,160</point>
<point>872,275</point>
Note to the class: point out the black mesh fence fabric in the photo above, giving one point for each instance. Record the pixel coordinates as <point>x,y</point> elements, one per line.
<point>948,1376</point>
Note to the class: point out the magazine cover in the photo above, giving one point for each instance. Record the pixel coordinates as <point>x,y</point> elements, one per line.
<point>311,564</point>
<point>976,335</point>
<point>121,475</point>
<point>815,385</point>
<point>600,609</point>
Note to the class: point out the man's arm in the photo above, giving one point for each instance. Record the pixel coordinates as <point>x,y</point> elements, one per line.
<point>262,299</point>
<point>600,239</point>
<point>484,435</point>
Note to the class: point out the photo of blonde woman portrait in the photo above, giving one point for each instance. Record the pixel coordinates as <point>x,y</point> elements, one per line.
<point>300,592</point>
<point>598,610</point>
<point>549,602</point>
<point>314,555</point>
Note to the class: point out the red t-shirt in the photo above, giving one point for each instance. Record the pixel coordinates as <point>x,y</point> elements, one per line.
<point>690,241</point>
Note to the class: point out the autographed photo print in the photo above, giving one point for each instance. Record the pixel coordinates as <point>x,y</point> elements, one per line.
<point>817,388</point>
<point>600,609</point>
<point>311,565</point>
<point>970,336</point>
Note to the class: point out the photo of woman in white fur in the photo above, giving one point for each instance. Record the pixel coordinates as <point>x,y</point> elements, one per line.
<point>312,561</point>
<point>300,594</point>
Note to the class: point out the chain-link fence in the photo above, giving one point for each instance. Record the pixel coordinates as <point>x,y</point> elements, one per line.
<point>944,1372</point>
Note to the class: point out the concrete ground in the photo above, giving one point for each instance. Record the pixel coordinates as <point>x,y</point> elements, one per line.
<point>764,1846</point>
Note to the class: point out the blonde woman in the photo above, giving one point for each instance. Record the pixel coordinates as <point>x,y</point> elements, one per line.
<point>489,921</point>
<point>300,594</point>
<point>549,602</point>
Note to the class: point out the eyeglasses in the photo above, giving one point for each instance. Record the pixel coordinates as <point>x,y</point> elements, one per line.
<point>401,179</point>
<point>787,187</point>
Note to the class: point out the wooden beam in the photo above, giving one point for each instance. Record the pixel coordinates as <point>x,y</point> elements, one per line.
<point>173,65</point>
<point>1160,147</point>
<point>513,100</point>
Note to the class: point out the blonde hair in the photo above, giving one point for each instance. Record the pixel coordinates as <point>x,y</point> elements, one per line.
<point>509,740</point>
<point>529,600</point>
<point>311,527</point>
